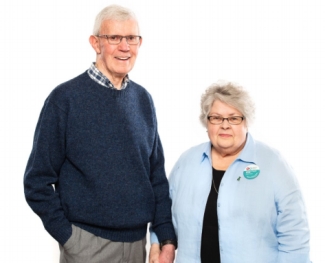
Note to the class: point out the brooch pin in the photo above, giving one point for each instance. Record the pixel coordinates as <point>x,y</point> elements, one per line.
<point>251,171</point>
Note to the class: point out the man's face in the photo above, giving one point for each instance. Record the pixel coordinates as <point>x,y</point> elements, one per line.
<point>116,61</point>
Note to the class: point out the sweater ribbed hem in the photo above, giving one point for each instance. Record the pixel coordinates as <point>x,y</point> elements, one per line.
<point>116,235</point>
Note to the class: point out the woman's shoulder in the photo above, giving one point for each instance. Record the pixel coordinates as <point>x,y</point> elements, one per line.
<point>265,150</point>
<point>196,150</point>
<point>272,159</point>
<point>189,163</point>
<point>193,156</point>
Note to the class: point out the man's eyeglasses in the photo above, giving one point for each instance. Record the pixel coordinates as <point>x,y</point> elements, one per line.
<point>233,120</point>
<point>116,39</point>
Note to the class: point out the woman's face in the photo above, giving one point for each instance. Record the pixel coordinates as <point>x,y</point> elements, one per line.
<point>226,139</point>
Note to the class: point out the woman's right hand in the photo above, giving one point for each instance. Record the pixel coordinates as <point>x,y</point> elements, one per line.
<point>154,253</point>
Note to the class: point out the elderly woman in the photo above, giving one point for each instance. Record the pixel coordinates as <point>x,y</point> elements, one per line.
<point>235,199</point>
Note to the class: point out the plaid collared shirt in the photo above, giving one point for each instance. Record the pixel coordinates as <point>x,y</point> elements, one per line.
<point>99,77</point>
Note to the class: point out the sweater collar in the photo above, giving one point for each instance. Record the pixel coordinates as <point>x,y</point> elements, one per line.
<point>101,79</point>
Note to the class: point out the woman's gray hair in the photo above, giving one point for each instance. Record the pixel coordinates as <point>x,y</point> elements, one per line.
<point>112,12</point>
<point>231,94</point>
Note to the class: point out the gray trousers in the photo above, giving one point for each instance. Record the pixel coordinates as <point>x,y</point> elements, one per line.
<point>84,247</point>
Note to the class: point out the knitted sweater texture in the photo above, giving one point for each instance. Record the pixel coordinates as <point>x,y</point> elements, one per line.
<point>97,162</point>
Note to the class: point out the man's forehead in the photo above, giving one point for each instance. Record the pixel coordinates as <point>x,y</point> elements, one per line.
<point>129,24</point>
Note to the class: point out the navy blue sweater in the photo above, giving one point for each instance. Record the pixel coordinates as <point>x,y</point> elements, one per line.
<point>97,162</point>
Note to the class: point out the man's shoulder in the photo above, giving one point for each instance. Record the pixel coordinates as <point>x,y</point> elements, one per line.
<point>139,88</point>
<point>136,85</point>
<point>77,81</point>
<point>66,91</point>
<point>141,93</point>
<point>72,85</point>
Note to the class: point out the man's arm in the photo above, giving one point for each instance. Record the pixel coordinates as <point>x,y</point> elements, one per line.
<point>42,172</point>
<point>162,223</point>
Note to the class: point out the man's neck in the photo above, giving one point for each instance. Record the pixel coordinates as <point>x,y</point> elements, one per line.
<point>115,80</point>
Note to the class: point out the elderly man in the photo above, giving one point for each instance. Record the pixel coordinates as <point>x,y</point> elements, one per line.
<point>96,174</point>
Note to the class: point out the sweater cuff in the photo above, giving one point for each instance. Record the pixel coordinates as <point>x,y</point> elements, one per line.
<point>165,232</point>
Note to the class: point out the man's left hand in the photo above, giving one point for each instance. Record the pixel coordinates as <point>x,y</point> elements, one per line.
<point>167,254</point>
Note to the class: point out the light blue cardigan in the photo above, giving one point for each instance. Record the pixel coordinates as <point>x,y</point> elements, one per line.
<point>261,220</point>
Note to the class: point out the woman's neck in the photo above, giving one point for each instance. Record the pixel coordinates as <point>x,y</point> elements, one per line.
<point>221,160</point>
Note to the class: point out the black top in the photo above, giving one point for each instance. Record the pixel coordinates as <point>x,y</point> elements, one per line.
<point>210,237</point>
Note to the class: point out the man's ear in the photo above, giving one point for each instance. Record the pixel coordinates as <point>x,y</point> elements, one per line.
<point>94,42</point>
<point>140,42</point>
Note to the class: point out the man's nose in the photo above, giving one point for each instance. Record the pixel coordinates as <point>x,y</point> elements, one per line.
<point>124,44</point>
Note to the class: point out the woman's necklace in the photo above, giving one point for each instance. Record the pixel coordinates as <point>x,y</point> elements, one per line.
<point>214,186</point>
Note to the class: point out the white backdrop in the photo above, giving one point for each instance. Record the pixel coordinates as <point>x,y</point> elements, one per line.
<point>276,49</point>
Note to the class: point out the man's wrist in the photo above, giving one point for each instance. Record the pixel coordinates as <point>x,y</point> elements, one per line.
<point>168,242</point>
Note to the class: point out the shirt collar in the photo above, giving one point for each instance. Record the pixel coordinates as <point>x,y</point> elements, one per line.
<point>246,155</point>
<point>248,152</point>
<point>101,79</point>
<point>206,151</point>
